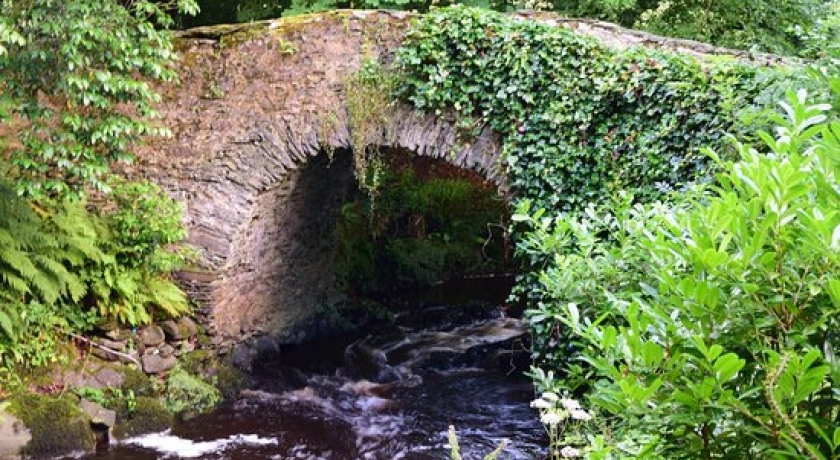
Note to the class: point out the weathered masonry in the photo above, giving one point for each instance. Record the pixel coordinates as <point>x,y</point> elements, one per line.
<point>260,157</point>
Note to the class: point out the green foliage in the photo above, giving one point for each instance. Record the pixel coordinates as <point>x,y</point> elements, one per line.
<point>455,447</point>
<point>41,256</point>
<point>579,120</point>
<point>707,328</point>
<point>369,104</point>
<point>63,268</point>
<point>76,76</point>
<point>420,232</point>
<point>57,424</point>
<point>187,394</point>
<point>778,26</point>
<point>75,94</point>
<point>110,397</point>
<point>133,282</point>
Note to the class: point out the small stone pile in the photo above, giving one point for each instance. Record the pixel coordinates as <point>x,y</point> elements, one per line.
<point>154,348</point>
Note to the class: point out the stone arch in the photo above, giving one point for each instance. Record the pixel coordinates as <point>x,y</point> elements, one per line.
<point>256,111</point>
<point>256,106</point>
<point>270,270</point>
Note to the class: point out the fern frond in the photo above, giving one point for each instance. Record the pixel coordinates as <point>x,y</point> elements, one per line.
<point>7,324</point>
<point>14,282</point>
<point>20,262</point>
<point>168,297</point>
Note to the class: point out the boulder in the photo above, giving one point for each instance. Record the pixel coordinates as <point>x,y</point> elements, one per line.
<point>182,329</point>
<point>13,436</point>
<point>110,377</point>
<point>155,363</point>
<point>166,350</point>
<point>152,336</point>
<point>98,414</point>
<point>118,345</point>
<point>104,354</point>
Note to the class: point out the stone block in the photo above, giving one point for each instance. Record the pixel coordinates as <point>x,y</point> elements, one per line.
<point>152,336</point>
<point>155,363</point>
<point>98,414</point>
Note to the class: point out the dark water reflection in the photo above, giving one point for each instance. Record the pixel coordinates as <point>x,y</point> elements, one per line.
<point>388,396</point>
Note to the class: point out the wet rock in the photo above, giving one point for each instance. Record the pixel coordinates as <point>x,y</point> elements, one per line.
<point>155,363</point>
<point>242,357</point>
<point>152,336</point>
<point>13,436</point>
<point>362,361</point>
<point>266,348</point>
<point>98,414</point>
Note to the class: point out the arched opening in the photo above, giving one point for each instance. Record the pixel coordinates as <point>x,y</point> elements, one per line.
<point>280,271</point>
<point>426,221</point>
<point>413,359</point>
<point>315,243</point>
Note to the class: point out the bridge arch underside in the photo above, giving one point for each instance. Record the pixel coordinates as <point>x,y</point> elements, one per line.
<point>276,283</point>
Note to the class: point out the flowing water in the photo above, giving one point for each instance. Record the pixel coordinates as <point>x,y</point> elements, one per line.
<point>389,395</point>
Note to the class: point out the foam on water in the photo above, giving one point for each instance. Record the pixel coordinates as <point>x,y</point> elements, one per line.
<point>171,445</point>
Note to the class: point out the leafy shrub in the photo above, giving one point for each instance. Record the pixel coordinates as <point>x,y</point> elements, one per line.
<point>187,394</point>
<point>72,81</point>
<point>142,237</point>
<point>708,328</point>
<point>579,120</point>
<point>419,232</point>
<point>64,268</point>
<point>75,95</point>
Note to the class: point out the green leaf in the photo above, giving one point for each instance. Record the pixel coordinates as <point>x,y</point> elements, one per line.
<point>727,366</point>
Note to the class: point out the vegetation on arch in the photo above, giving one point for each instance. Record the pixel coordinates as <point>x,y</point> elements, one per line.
<point>579,120</point>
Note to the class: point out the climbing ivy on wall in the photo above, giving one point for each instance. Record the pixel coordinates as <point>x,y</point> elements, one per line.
<point>579,120</point>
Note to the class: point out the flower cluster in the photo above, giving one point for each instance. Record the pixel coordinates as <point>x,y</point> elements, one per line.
<point>556,414</point>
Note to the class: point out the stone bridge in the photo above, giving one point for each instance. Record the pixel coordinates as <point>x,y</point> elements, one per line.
<point>259,155</point>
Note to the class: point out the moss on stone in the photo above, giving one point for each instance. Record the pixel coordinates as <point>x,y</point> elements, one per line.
<point>58,425</point>
<point>188,395</point>
<point>137,381</point>
<point>228,379</point>
<point>197,362</point>
<point>149,416</point>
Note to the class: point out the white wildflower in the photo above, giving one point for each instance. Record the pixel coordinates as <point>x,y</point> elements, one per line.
<point>569,452</point>
<point>570,404</point>
<point>549,396</point>
<point>582,415</point>
<point>541,404</point>
<point>551,418</point>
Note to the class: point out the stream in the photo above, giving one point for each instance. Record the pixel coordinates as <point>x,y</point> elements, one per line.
<point>451,357</point>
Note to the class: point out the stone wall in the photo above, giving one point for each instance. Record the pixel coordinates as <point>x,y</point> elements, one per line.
<point>256,107</point>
